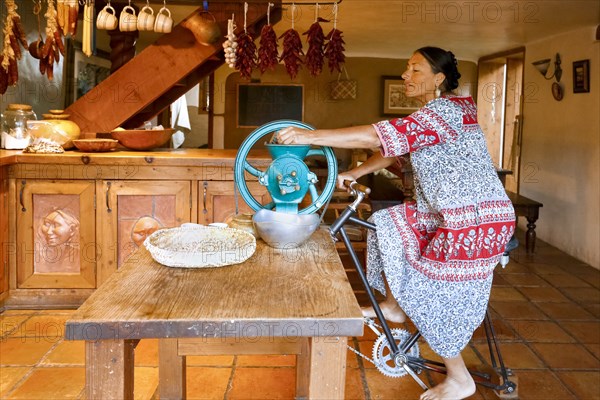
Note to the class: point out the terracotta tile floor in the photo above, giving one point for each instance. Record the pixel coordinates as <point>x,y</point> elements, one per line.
<point>546,311</point>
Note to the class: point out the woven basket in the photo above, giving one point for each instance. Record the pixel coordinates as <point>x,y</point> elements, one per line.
<point>343,89</point>
<point>200,246</point>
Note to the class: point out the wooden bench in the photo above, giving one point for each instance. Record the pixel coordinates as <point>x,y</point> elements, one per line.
<point>525,207</point>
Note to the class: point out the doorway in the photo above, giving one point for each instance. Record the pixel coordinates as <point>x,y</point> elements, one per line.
<point>500,110</point>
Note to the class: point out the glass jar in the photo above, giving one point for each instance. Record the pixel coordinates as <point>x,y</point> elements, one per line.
<point>14,130</point>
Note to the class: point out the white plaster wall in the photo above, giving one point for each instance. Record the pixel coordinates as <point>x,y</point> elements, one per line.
<point>561,145</point>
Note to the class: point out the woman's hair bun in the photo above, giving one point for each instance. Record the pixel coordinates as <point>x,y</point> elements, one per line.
<point>442,61</point>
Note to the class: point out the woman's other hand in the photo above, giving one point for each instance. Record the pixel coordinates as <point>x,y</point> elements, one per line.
<point>293,135</point>
<point>345,176</point>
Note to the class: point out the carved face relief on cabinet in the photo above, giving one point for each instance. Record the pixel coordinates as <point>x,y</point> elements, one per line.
<point>56,244</point>
<point>138,217</point>
<point>143,228</point>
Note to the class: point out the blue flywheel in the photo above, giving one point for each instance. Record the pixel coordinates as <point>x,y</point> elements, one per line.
<point>288,179</point>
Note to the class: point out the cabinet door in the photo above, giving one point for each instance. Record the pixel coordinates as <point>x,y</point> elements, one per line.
<point>218,200</point>
<point>56,246</point>
<point>4,244</point>
<point>129,211</point>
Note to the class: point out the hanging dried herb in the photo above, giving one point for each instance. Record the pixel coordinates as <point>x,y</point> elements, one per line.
<point>334,50</point>
<point>267,53</point>
<point>245,55</point>
<point>292,52</point>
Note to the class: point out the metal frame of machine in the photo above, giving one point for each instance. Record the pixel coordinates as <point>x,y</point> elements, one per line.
<point>395,351</point>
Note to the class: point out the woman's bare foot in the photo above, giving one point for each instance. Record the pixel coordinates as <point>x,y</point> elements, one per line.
<point>390,309</point>
<point>450,389</point>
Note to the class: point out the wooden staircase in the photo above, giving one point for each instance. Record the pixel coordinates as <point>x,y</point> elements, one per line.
<point>164,71</point>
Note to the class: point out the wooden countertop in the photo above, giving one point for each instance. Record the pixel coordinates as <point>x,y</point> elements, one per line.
<point>170,157</point>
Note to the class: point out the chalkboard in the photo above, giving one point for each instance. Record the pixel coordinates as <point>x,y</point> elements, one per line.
<point>259,103</point>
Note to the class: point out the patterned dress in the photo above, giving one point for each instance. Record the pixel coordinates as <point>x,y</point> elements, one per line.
<point>438,253</point>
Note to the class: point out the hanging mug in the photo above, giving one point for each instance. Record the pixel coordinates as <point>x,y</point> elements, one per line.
<point>107,18</point>
<point>145,19</point>
<point>163,22</point>
<point>128,20</point>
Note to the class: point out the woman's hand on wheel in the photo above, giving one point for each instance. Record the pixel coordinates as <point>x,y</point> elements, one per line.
<point>293,135</point>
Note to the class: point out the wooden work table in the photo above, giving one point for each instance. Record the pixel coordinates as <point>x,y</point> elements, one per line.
<point>294,301</point>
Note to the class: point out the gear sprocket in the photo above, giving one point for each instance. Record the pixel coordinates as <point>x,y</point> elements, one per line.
<point>384,358</point>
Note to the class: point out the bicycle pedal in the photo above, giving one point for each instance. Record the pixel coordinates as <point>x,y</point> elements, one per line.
<point>504,394</point>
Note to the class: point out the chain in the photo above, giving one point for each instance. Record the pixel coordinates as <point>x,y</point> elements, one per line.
<point>361,354</point>
<point>370,323</point>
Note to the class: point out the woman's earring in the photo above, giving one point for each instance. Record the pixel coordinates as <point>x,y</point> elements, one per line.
<point>437,92</point>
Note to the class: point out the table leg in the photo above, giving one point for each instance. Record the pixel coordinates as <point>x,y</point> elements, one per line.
<point>530,235</point>
<point>109,369</point>
<point>171,370</point>
<point>325,358</point>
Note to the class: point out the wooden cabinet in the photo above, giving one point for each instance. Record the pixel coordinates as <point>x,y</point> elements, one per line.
<point>73,219</point>
<point>129,211</point>
<point>218,200</point>
<point>4,242</point>
<point>56,238</point>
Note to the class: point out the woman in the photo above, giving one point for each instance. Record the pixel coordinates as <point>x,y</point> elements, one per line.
<point>433,258</point>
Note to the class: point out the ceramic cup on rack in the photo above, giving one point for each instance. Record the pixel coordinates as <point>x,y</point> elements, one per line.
<point>128,20</point>
<point>163,22</point>
<point>145,19</point>
<point>107,18</point>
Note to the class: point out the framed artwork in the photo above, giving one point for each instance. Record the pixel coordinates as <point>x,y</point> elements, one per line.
<point>581,76</point>
<point>394,97</point>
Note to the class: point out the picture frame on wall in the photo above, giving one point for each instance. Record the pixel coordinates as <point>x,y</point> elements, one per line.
<point>581,76</point>
<point>88,72</point>
<point>395,102</point>
<point>82,73</point>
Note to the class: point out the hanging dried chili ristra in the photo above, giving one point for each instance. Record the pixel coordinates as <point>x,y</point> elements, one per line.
<point>334,49</point>
<point>315,54</point>
<point>267,53</point>
<point>246,51</point>
<point>245,55</point>
<point>292,52</point>
<point>14,38</point>
<point>292,49</point>
<point>53,46</point>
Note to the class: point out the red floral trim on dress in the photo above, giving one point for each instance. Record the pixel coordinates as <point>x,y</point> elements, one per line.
<point>421,129</point>
<point>453,255</point>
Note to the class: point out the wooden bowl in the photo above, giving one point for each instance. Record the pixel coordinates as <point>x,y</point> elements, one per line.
<point>143,139</point>
<point>95,145</point>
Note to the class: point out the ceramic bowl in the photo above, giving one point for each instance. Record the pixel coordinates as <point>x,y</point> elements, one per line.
<point>95,145</point>
<point>143,139</point>
<point>285,231</point>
